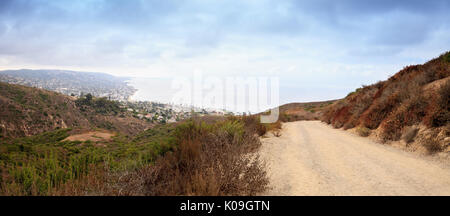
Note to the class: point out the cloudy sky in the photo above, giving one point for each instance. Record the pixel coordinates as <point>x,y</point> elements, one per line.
<point>319,49</point>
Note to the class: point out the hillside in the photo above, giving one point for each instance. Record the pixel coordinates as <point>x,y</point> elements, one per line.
<point>303,111</point>
<point>411,106</point>
<point>184,158</point>
<point>52,144</point>
<point>26,111</point>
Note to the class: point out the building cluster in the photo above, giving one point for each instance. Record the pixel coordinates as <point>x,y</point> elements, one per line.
<point>113,92</point>
<point>166,113</point>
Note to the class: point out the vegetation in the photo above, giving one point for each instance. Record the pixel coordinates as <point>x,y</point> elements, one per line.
<point>432,146</point>
<point>302,111</point>
<point>100,105</point>
<point>39,164</point>
<point>196,157</point>
<point>418,94</point>
<point>363,131</point>
<point>26,111</point>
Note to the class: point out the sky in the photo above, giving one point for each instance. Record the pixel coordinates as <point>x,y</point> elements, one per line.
<point>319,49</point>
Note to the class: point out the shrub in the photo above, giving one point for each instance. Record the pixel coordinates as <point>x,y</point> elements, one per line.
<point>444,95</point>
<point>391,129</point>
<point>349,125</point>
<point>363,131</point>
<point>205,162</point>
<point>439,118</point>
<point>432,146</point>
<point>440,115</point>
<point>273,126</point>
<point>410,134</point>
<point>380,110</point>
<point>252,124</point>
<point>446,57</point>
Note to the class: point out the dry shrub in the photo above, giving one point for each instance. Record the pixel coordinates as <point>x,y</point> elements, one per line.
<point>350,124</point>
<point>377,104</point>
<point>410,134</point>
<point>432,146</point>
<point>208,161</point>
<point>391,129</point>
<point>252,124</point>
<point>261,130</point>
<point>273,126</point>
<point>444,95</point>
<point>438,117</point>
<point>363,131</point>
<point>216,158</point>
<point>341,116</point>
<point>361,104</point>
<point>410,112</point>
<point>439,114</point>
<point>379,111</point>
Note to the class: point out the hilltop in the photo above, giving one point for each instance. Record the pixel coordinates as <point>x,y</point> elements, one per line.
<point>26,111</point>
<point>411,106</point>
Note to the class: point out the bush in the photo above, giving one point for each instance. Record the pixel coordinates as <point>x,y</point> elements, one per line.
<point>432,146</point>
<point>446,57</point>
<point>207,161</point>
<point>44,164</point>
<point>99,105</point>
<point>439,118</point>
<point>444,95</point>
<point>363,131</point>
<point>410,134</point>
<point>380,110</point>
<point>252,124</point>
<point>439,114</point>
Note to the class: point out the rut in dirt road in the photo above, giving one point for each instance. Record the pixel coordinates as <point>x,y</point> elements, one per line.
<point>311,158</point>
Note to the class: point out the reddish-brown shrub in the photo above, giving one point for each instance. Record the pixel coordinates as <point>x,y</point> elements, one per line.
<point>379,111</point>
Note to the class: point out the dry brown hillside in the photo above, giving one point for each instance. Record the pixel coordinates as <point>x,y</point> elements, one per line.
<point>303,111</point>
<point>412,105</point>
<point>26,111</point>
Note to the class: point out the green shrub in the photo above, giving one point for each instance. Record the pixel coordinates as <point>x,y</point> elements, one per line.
<point>234,129</point>
<point>446,57</point>
<point>363,131</point>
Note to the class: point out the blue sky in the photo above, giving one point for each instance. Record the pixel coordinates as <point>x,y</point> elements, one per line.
<point>320,49</point>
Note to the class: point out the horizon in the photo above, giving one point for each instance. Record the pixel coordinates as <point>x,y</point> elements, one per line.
<point>319,50</point>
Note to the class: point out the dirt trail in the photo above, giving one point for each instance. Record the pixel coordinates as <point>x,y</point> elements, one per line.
<point>311,158</point>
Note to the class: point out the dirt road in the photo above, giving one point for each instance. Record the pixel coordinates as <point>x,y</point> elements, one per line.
<point>311,158</point>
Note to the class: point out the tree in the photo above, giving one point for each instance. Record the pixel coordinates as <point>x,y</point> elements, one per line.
<point>89,98</point>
